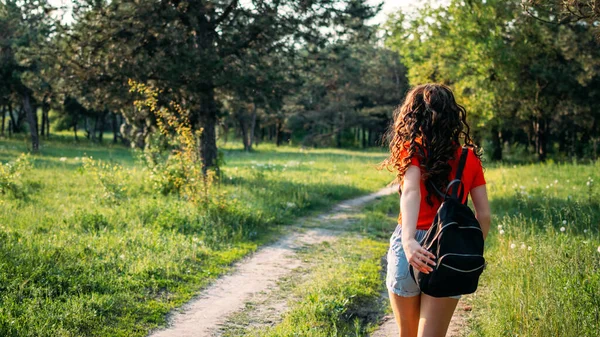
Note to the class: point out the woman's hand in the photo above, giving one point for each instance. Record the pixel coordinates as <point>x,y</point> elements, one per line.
<point>418,256</point>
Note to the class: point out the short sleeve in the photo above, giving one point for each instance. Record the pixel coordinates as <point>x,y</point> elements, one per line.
<point>404,153</point>
<point>478,178</point>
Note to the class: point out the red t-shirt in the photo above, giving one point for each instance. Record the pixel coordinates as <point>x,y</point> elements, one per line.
<point>472,177</point>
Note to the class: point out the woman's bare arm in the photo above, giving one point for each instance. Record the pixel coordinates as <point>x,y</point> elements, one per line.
<point>409,207</point>
<point>482,208</point>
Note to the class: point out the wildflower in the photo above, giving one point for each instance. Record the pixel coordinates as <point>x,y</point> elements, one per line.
<point>501,232</point>
<point>598,249</point>
<point>588,183</point>
<point>63,159</point>
<point>529,248</point>
<point>564,222</point>
<point>512,246</point>
<point>562,229</point>
<point>547,186</point>
<point>523,246</point>
<point>555,182</point>
<point>499,226</point>
<point>122,256</point>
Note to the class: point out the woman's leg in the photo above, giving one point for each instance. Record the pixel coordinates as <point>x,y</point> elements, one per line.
<point>406,312</point>
<point>435,315</point>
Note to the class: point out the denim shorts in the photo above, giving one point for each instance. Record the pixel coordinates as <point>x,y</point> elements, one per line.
<point>398,279</point>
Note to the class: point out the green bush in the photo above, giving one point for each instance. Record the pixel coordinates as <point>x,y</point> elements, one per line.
<point>11,176</point>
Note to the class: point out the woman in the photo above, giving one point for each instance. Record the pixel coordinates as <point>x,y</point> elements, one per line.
<point>425,147</point>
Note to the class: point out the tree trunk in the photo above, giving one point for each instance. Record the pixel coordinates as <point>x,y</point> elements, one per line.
<point>115,129</point>
<point>75,121</point>
<point>48,122</point>
<point>241,118</point>
<point>3,118</point>
<point>364,140</point>
<point>95,129</point>
<point>31,119</point>
<point>208,141</point>
<point>278,130</point>
<point>43,128</point>
<point>540,138</point>
<point>13,121</point>
<point>496,144</point>
<point>10,121</point>
<point>45,131</point>
<point>100,128</point>
<point>19,119</point>
<point>252,126</point>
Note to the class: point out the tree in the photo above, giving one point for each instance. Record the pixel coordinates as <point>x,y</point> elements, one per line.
<point>186,47</point>
<point>514,73</point>
<point>26,24</point>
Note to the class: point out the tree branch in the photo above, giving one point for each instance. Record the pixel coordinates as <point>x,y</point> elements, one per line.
<point>225,13</point>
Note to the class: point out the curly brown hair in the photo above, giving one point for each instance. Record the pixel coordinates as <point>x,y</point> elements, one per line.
<point>430,125</point>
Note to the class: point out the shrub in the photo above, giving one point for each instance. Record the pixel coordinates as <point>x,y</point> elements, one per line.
<point>172,154</point>
<point>11,175</point>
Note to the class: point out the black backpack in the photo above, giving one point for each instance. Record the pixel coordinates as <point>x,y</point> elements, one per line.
<point>456,240</point>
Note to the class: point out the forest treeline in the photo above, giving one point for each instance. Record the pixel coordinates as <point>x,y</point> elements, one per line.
<point>313,72</point>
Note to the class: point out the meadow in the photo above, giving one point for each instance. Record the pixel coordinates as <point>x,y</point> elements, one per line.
<point>543,255</point>
<point>75,262</point>
<point>543,252</point>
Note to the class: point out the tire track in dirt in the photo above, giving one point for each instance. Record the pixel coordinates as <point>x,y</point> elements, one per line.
<point>203,315</point>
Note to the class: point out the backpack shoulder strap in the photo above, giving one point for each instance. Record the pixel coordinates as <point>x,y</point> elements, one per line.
<point>461,163</point>
<point>458,191</point>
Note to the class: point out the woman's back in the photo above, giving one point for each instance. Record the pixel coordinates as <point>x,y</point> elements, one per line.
<point>472,177</point>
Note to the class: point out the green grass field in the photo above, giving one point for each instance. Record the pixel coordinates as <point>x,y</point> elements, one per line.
<point>72,264</point>
<point>75,265</point>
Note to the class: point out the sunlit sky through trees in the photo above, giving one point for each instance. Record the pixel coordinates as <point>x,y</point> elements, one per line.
<point>389,6</point>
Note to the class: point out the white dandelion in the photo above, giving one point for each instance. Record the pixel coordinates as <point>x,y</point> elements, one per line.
<point>512,246</point>
<point>499,227</point>
<point>63,159</point>
<point>598,249</point>
<point>523,246</point>
<point>501,232</point>
<point>564,222</point>
<point>562,229</point>
<point>529,248</point>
